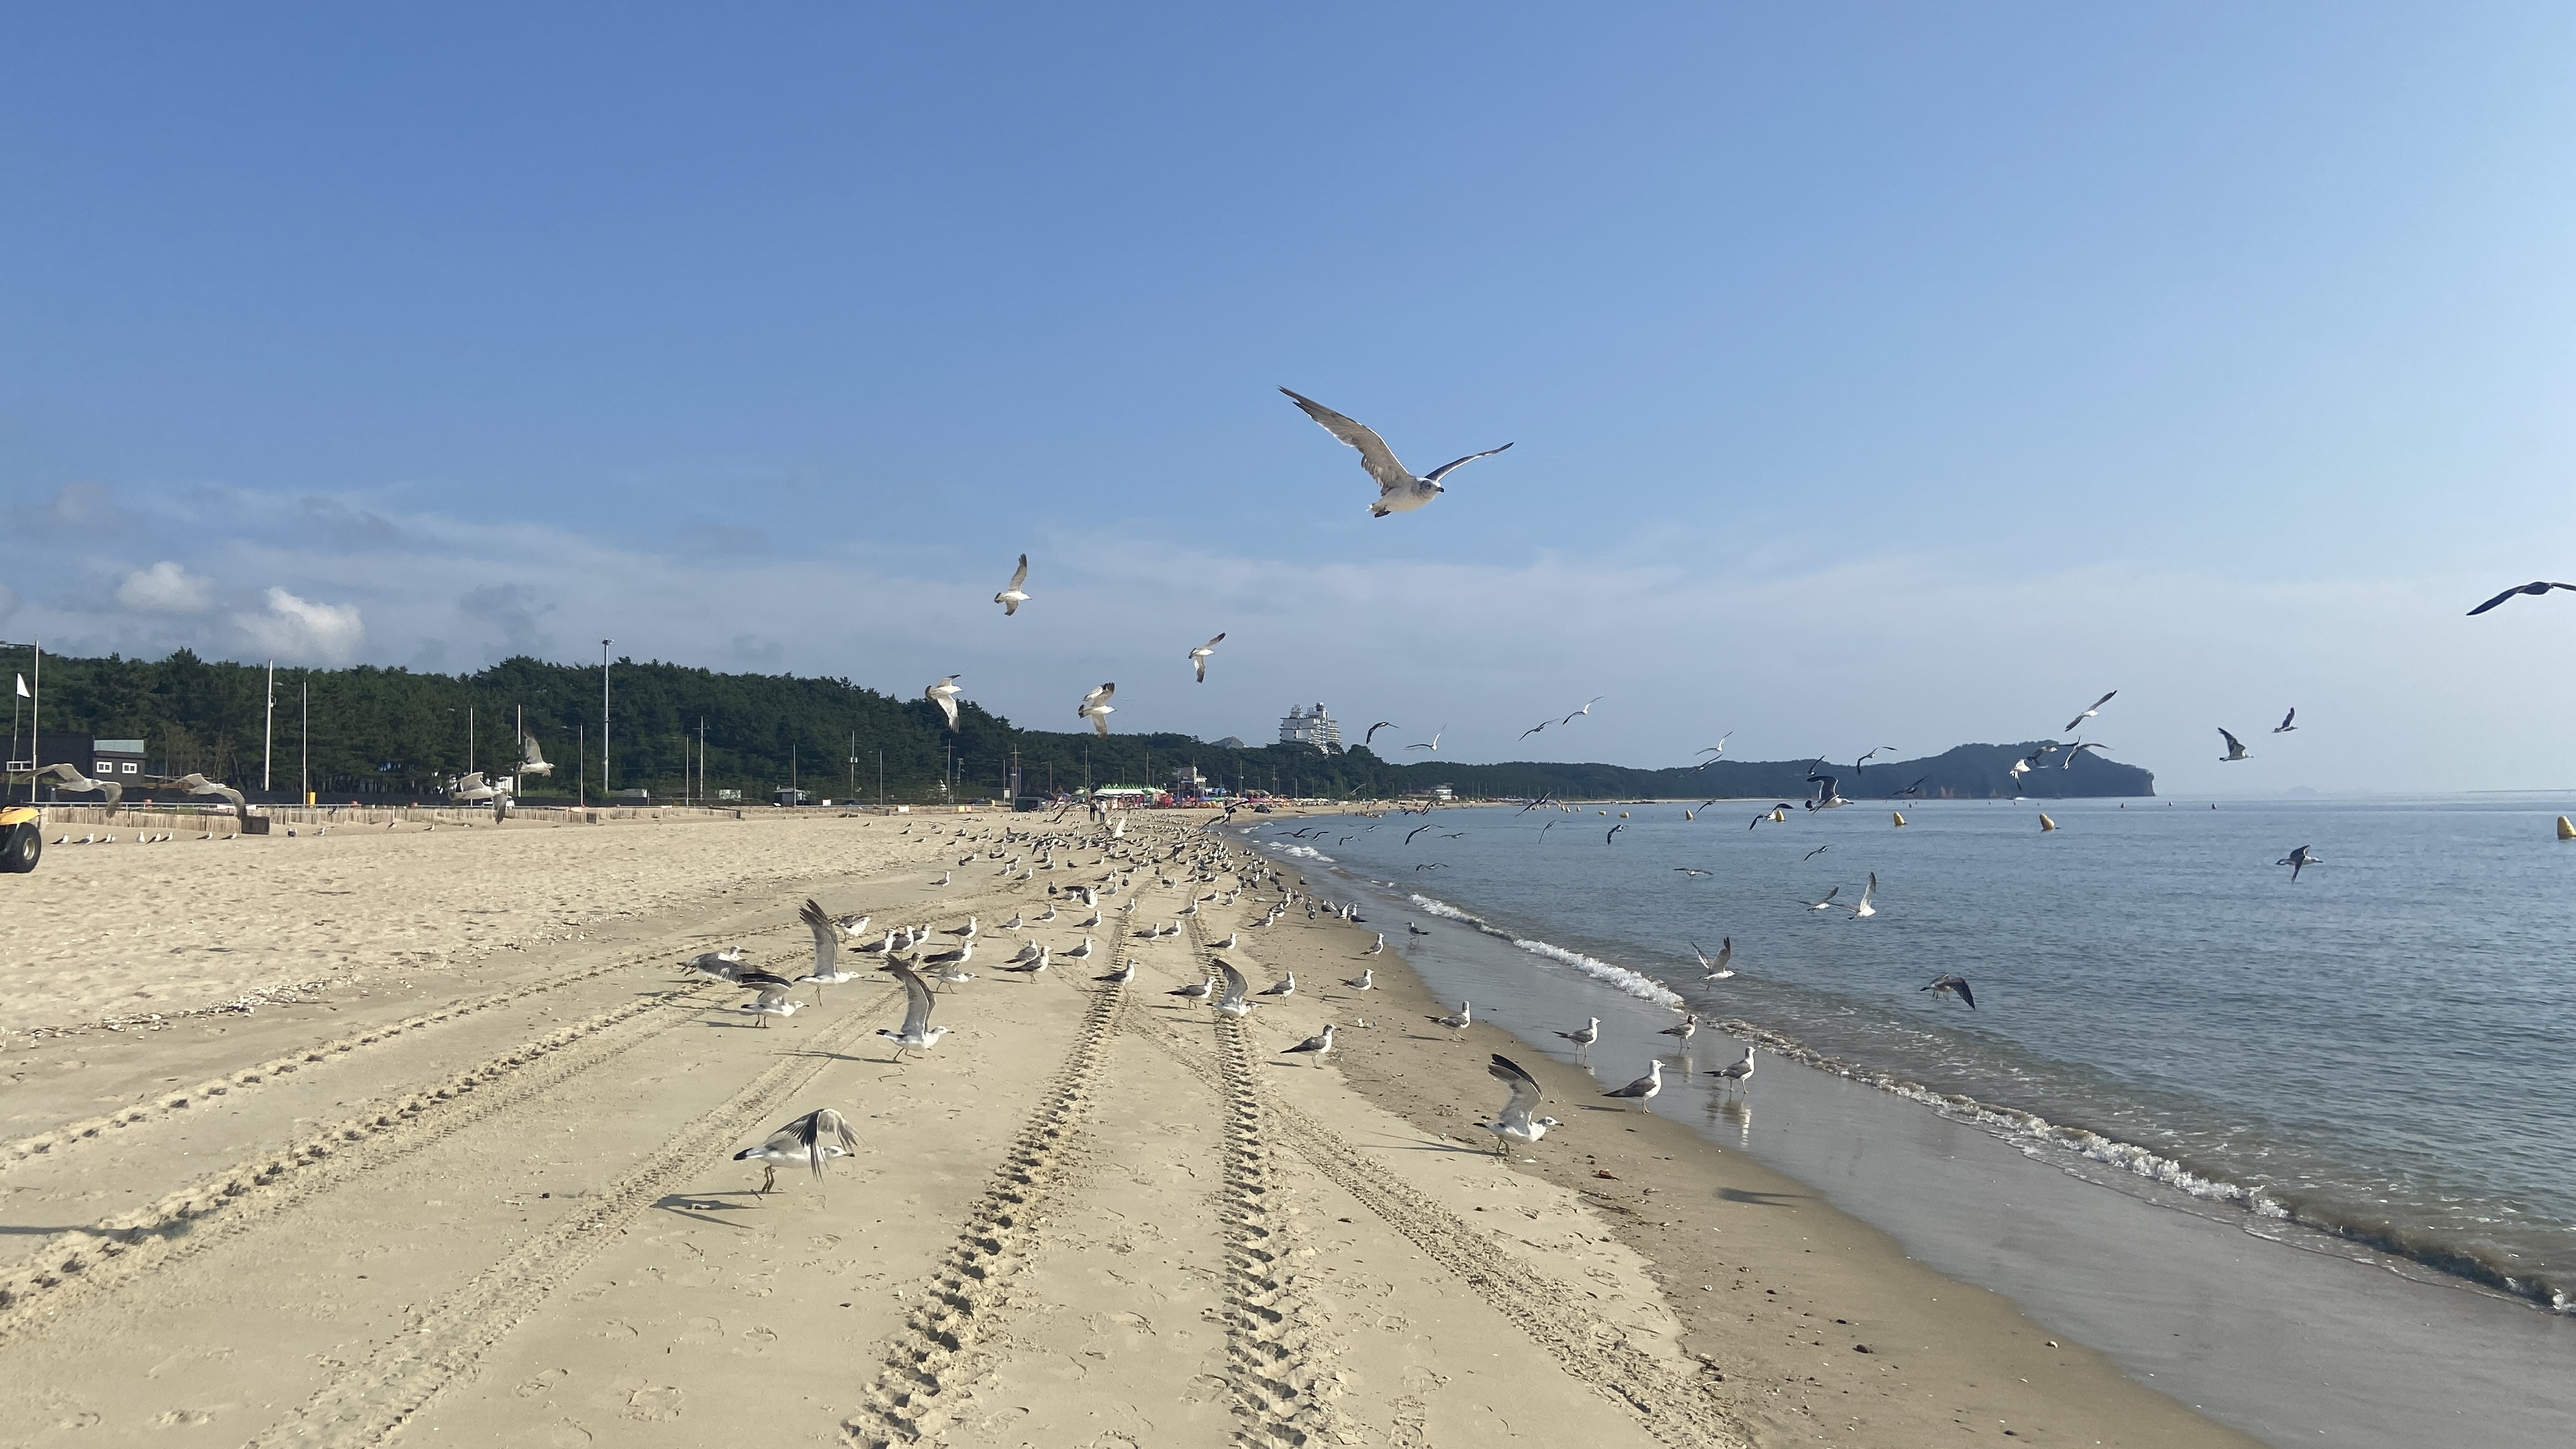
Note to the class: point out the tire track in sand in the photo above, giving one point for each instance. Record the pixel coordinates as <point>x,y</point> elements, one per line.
<point>939,1351</point>
<point>371,1400</point>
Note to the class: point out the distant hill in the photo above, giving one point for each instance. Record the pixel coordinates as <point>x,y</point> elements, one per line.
<point>393,732</point>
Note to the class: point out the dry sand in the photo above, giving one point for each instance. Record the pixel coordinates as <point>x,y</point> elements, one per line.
<point>464,1171</point>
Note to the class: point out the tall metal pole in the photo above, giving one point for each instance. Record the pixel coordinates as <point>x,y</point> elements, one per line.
<point>604,793</point>
<point>305,728</point>
<point>581,765</point>
<point>268,726</point>
<point>36,723</point>
<point>469,739</point>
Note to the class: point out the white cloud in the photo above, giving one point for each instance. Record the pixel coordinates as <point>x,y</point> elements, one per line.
<point>166,588</point>
<point>304,631</point>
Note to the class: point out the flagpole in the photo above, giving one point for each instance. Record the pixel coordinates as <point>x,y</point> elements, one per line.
<point>268,726</point>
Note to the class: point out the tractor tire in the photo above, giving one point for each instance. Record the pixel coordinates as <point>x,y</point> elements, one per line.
<point>24,845</point>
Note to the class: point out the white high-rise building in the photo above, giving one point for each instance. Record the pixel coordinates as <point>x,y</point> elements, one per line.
<point>1305,727</point>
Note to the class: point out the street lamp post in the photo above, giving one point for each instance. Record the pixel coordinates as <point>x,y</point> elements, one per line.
<point>604,793</point>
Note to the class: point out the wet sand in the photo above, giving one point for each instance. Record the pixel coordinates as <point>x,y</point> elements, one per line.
<point>465,1169</point>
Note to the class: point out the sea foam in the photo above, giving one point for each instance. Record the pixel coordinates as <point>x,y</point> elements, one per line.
<point>1616,977</point>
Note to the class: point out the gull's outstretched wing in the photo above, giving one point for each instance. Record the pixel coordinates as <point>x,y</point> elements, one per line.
<point>810,1134</point>
<point>916,1016</point>
<point>1236,988</point>
<point>1525,1093</point>
<point>1436,474</point>
<point>827,941</point>
<point>1375,455</point>
<point>1020,575</point>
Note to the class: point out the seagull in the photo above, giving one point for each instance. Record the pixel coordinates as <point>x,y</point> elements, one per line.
<point>1819,850</point>
<point>1285,986</point>
<point>827,950</point>
<point>964,953</point>
<point>1096,708</point>
<point>2235,748</point>
<point>2284,727</point>
<point>1865,909</point>
<point>1399,490</point>
<point>1587,1035</point>
<point>1199,992</point>
<point>1685,1028</point>
<point>1735,1073</point>
<point>2089,713</point>
<point>1376,946</point>
<point>1459,1020</point>
<point>1860,766</point>
<point>2535,588</point>
<point>1716,749</point>
<point>1199,658</point>
<point>1384,724</point>
<point>1716,969</point>
<point>1692,871</point>
<point>944,694</point>
<point>1533,729</point>
<point>1120,977</point>
<point>2298,860</point>
<point>1587,709</point>
<point>1233,1002</point>
<point>714,965</point>
<point>809,1139</point>
<point>1081,952</point>
<point>1614,833</point>
<point>1642,1090</point>
<point>1824,904</point>
<point>773,1000</point>
<point>1946,985</point>
<point>1827,797</point>
<point>1914,789</point>
<point>853,925</point>
<point>1773,815</point>
<point>1012,597</point>
<point>1225,945</point>
<point>1316,1045</point>
<point>2080,746</point>
<point>1365,981</point>
<point>1034,966</point>
<point>1434,746</point>
<point>1515,1122</point>
<point>916,1034</point>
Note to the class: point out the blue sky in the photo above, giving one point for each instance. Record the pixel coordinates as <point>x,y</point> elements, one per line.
<point>1878,374</point>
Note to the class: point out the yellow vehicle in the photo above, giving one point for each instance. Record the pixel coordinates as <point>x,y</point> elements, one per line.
<point>22,838</point>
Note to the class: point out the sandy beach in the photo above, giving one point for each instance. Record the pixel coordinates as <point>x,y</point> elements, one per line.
<point>463,1167</point>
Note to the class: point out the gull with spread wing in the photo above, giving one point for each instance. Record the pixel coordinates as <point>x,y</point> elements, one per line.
<point>1398,489</point>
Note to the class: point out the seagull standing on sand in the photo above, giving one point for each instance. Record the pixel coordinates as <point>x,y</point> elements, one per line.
<point>1233,1002</point>
<point>1365,981</point>
<point>1120,977</point>
<point>2535,588</point>
<point>809,1139</point>
<point>2094,709</point>
<point>1952,985</point>
<point>1717,970</point>
<point>1315,1046</point>
<point>2298,860</point>
<point>1096,708</point>
<point>1377,945</point>
<point>1735,1074</point>
<point>1517,1121</point>
<point>1200,992</point>
<point>944,694</point>
<point>1012,596</point>
<point>916,1034</point>
<point>2235,748</point>
<point>1642,1090</point>
<point>1399,491</point>
<point>1199,656</point>
<point>1284,987</point>
<point>1584,1037</point>
<point>1459,1020</point>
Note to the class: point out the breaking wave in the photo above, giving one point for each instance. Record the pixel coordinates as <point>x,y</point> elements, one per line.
<point>1616,977</point>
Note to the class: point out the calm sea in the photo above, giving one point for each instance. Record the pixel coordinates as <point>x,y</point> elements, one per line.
<point>2383,1049</point>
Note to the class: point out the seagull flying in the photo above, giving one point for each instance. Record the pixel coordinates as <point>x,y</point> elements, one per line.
<point>1013,596</point>
<point>2077,748</point>
<point>1434,746</point>
<point>2089,713</point>
<point>1398,489</point>
<point>1952,985</point>
<point>1824,904</point>
<point>944,694</point>
<point>1716,969</point>
<point>2535,588</point>
<point>1715,750</point>
<point>2284,727</point>
<point>2235,748</point>
<point>1587,709</point>
<point>2298,860</point>
<point>1865,908</point>
<point>1096,708</point>
<point>916,1034</point>
<point>1199,656</point>
<point>1384,724</point>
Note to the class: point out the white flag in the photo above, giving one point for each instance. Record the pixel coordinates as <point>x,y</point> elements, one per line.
<point>22,688</point>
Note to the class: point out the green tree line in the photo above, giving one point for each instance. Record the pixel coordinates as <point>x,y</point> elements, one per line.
<point>391,732</point>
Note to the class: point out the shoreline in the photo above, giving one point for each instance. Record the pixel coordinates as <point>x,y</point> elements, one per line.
<point>2415,1348</point>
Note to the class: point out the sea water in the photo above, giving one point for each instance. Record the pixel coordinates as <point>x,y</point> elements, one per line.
<point>2382,1050</point>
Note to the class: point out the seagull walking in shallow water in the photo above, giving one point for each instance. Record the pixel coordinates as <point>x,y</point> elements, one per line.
<point>1735,1074</point>
<point>1518,1121</point>
<point>1642,1090</point>
<point>1398,490</point>
<point>1586,1035</point>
